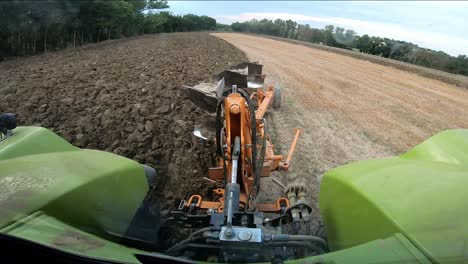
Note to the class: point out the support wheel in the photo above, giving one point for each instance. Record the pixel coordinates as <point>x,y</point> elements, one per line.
<point>277,98</point>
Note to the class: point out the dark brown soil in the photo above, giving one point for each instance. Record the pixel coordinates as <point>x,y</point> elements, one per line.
<point>124,96</point>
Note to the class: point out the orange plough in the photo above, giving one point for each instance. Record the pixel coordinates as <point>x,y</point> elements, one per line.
<point>245,150</point>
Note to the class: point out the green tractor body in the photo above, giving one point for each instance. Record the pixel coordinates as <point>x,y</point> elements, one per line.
<point>59,195</point>
<point>407,209</point>
<point>419,197</point>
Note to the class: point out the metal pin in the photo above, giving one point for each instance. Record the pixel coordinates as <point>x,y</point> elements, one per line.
<point>210,180</point>
<point>278,182</point>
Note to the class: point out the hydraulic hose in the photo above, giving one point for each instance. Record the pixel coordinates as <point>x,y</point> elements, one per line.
<point>303,244</point>
<point>297,244</point>
<point>261,159</point>
<point>191,238</point>
<point>287,237</point>
<point>219,147</point>
<point>196,245</point>
<point>259,166</point>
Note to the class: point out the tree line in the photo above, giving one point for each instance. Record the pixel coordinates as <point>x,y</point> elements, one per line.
<point>30,27</point>
<point>348,39</point>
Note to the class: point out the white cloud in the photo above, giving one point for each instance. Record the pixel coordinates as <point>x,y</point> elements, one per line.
<point>434,40</point>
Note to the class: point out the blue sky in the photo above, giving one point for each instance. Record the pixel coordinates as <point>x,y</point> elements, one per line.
<point>439,25</point>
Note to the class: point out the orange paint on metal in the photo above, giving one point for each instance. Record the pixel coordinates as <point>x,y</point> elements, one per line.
<point>237,123</point>
<point>203,204</point>
<point>195,197</point>
<point>216,173</point>
<point>291,150</point>
<point>210,205</point>
<point>219,191</point>
<point>264,105</point>
<point>235,109</point>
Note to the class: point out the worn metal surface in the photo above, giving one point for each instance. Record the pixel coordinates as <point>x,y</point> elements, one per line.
<point>202,99</point>
<point>241,234</point>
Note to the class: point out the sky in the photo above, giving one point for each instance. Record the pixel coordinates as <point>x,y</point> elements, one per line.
<point>438,25</point>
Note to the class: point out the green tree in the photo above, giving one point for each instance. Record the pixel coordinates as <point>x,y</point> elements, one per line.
<point>28,27</point>
<point>349,37</point>
<point>157,4</point>
<point>329,28</point>
<point>339,31</point>
<point>363,43</point>
<point>342,38</point>
<point>328,36</point>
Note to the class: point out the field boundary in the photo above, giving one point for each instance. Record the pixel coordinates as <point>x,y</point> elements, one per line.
<point>454,79</point>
